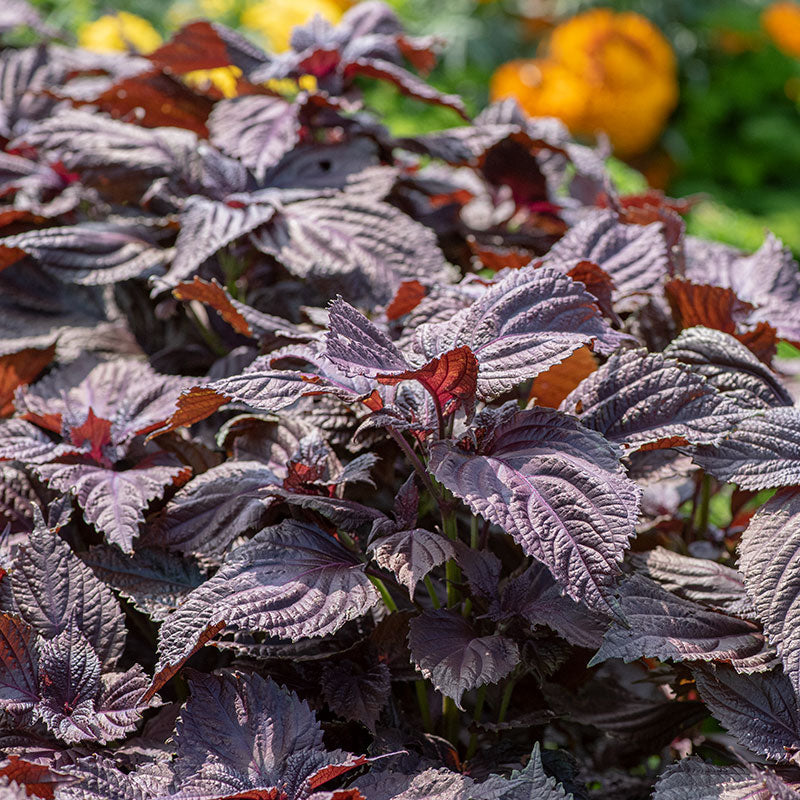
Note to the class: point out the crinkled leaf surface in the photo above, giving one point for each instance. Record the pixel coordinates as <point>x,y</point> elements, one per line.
<point>19,677</point>
<point>521,326</point>
<point>51,584</point>
<point>643,400</point>
<point>763,451</point>
<point>356,693</point>
<point>113,501</point>
<point>241,735</point>
<point>768,558</point>
<point>557,488</point>
<point>446,650</point>
<point>661,625</point>
<point>290,581</point>
<point>760,710</point>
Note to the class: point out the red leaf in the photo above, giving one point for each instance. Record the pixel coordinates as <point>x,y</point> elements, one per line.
<point>212,294</point>
<point>551,387</point>
<point>164,100</point>
<point>10,255</point>
<point>498,257</point>
<point>94,431</point>
<point>407,297</point>
<point>37,779</point>
<point>452,378</point>
<point>195,46</point>
<point>597,282</point>
<point>19,369</point>
<point>193,406</point>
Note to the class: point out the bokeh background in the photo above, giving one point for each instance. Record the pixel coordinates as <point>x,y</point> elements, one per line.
<point>691,96</point>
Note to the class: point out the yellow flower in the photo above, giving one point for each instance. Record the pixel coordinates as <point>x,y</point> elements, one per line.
<point>120,31</point>
<point>224,78</point>
<point>604,71</point>
<point>275,19</point>
<point>781,21</point>
<point>216,8</point>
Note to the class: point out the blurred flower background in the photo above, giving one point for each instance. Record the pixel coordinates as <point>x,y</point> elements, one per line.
<point>692,96</point>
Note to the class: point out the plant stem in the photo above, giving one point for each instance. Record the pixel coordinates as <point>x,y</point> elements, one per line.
<point>474,538</point>
<point>701,522</point>
<point>451,571</point>
<point>209,337</point>
<point>419,467</point>
<point>505,701</point>
<point>424,708</point>
<point>432,592</point>
<point>384,592</point>
<point>476,717</point>
<point>450,720</point>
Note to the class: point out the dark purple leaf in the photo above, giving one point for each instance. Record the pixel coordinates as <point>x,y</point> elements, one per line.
<point>355,693</point>
<point>207,226</point>
<point>768,559</point>
<point>698,579</point>
<point>69,680</point>
<point>446,650</point>
<point>90,253</point>
<point>52,585</point>
<point>290,581</point>
<point>120,703</point>
<point>536,597</point>
<point>664,626</point>
<point>99,778</point>
<point>19,678</point>
<point>241,735</point>
<point>760,710</point>
<point>643,400</point>
<point>17,499</point>
<point>557,488</point>
<point>156,581</point>
<point>635,256</point>
<point>210,511</point>
<point>357,246</point>
<point>729,367</point>
<point>22,441</point>
<point>259,130</point>
<point>113,501</point>
<point>762,452</point>
<point>693,779</point>
<point>520,327</point>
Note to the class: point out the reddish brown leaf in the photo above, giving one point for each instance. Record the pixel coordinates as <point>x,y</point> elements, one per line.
<point>332,771</point>
<point>37,779</point>
<point>719,308</point>
<point>193,406</point>
<point>498,257</point>
<point>10,255</point>
<point>597,282</point>
<point>19,369</point>
<point>195,46</point>
<point>212,294</point>
<point>452,378</point>
<point>406,298</point>
<point>164,100</point>
<point>551,387</point>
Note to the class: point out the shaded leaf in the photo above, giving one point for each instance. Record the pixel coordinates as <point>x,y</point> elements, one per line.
<point>447,651</point>
<point>355,693</point>
<point>19,677</point>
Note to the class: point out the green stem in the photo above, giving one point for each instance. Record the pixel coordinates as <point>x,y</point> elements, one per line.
<point>384,593</point>
<point>476,718</point>
<point>450,720</point>
<point>701,522</point>
<point>505,701</point>
<point>209,337</point>
<point>432,592</point>
<point>424,708</point>
<point>452,572</point>
<point>474,535</point>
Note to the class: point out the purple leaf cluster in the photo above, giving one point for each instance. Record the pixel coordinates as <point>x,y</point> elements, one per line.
<point>344,466</point>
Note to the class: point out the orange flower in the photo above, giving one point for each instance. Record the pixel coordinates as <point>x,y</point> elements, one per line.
<point>603,72</point>
<point>781,21</point>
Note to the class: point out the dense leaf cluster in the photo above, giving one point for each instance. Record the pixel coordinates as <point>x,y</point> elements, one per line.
<point>424,451</point>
